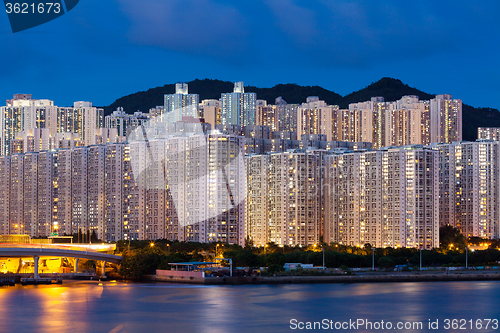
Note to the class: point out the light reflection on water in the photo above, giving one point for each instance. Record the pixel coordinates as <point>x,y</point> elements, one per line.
<point>125,307</point>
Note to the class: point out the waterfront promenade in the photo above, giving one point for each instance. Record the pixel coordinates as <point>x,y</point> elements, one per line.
<point>360,277</point>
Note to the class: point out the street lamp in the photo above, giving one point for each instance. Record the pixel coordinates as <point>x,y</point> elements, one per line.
<point>420,257</point>
<point>467,257</point>
<point>373,259</point>
<point>323,249</point>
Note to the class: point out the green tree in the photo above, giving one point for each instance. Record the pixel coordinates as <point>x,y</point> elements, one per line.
<point>274,268</point>
<point>450,236</point>
<point>243,258</point>
<point>386,262</point>
<point>143,262</point>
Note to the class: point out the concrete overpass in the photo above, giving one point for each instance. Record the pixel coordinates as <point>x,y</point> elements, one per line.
<point>51,251</point>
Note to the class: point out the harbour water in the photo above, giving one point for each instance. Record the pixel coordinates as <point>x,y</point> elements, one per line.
<point>132,307</point>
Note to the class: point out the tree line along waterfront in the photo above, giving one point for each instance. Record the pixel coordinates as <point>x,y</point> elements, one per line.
<point>142,258</point>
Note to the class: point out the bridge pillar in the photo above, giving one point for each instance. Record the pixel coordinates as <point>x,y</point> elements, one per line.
<point>76,265</point>
<point>35,258</point>
<point>103,272</point>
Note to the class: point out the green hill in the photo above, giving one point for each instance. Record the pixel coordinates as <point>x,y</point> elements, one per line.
<point>212,89</point>
<point>294,94</point>
<point>389,88</point>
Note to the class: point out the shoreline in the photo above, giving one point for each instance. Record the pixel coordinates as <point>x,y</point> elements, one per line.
<point>241,280</point>
<point>270,280</point>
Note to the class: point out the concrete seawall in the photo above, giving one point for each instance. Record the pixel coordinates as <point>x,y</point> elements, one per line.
<point>237,280</point>
<point>178,279</point>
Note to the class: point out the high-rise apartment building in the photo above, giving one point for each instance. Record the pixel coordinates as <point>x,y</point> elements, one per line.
<point>488,133</point>
<point>97,188</point>
<point>125,123</point>
<point>287,115</point>
<point>409,122</point>
<point>225,189</point>
<point>135,196</point>
<point>16,217</point>
<point>469,187</point>
<point>181,104</point>
<point>346,124</point>
<point>88,120</point>
<point>30,183</point>
<point>257,132</point>
<point>69,186</point>
<point>257,199</point>
<point>175,197</point>
<point>66,141</point>
<point>371,124</point>
<point>195,204</point>
<point>82,118</point>
<point>445,119</point>
<point>107,135</point>
<point>80,190</point>
<point>210,111</point>
<point>5,195</point>
<point>157,111</point>
<point>22,114</point>
<point>32,140</point>
<point>31,125</point>
<point>386,198</point>
<point>283,198</point>
<point>279,207</point>
<point>238,107</point>
<point>114,192</point>
<point>267,115</point>
<point>47,193</point>
<point>156,188</point>
<point>399,123</point>
<point>315,117</point>
<point>68,120</point>
<point>99,118</point>
<point>187,186</point>
<point>187,199</point>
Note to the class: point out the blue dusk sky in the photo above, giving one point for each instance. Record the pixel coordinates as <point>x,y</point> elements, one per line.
<point>104,49</point>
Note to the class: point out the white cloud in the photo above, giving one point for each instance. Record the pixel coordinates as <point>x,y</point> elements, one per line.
<point>193,26</point>
<point>296,21</point>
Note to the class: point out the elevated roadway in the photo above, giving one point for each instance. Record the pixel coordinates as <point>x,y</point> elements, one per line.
<point>35,252</point>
